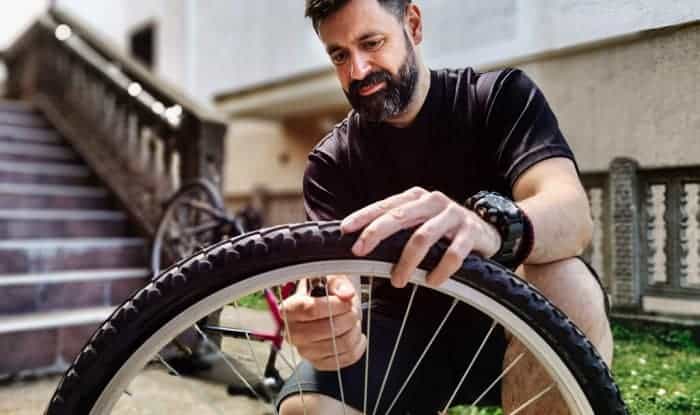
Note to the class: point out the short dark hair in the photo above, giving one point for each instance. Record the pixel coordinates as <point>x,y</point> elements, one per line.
<point>318,10</point>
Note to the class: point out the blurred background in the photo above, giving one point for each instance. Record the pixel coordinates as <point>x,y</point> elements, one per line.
<point>110,106</point>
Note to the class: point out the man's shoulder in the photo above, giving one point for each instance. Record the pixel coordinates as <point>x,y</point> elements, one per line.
<point>336,141</point>
<point>481,89</point>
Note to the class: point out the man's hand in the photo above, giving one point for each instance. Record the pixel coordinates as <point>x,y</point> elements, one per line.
<point>309,325</point>
<point>440,217</point>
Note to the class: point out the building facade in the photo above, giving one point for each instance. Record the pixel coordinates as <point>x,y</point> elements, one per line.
<point>620,75</point>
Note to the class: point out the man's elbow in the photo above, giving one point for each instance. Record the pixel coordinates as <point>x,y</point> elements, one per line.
<point>585,232</point>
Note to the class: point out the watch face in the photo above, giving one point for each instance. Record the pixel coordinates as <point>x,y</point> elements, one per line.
<point>503,205</point>
<point>500,203</point>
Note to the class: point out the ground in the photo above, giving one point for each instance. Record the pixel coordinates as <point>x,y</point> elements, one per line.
<point>657,368</point>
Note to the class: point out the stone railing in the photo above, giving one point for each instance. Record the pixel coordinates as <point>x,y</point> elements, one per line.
<point>646,243</point>
<point>3,73</point>
<point>140,136</point>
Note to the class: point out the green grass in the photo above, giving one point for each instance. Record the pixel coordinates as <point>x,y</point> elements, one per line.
<point>657,369</point>
<point>255,301</point>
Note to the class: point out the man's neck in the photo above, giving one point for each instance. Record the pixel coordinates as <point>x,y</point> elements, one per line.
<point>421,93</point>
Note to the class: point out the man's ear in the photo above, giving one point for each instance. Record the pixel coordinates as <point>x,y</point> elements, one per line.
<point>414,23</point>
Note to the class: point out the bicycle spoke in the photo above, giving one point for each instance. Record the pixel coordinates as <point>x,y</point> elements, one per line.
<point>510,366</point>
<point>247,337</point>
<point>469,368</point>
<point>420,359</point>
<point>216,348</point>
<point>205,207</point>
<point>168,366</point>
<point>335,353</point>
<point>176,373</point>
<point>288,334</point>
<point>396,346</point>
<point>533,399</point>
<point>369,321</point>
<point>201,228</point>
<point>284,359</point>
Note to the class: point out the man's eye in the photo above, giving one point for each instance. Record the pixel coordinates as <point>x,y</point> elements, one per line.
<point>338,58</point>
<point>373,44</point>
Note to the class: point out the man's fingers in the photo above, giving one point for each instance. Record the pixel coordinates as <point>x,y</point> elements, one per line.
<point>308,332</point>
<point>420,242</point>
<point>306,308</point>
<point>360,218</point>
<point>453,258</point>
<point>344,359</point>
<point>401,217</point>
<point>302,286</point>
<point>323,348</point>
<point>340,286</point>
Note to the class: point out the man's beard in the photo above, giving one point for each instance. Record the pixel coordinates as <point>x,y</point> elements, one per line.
<point>393,98</point>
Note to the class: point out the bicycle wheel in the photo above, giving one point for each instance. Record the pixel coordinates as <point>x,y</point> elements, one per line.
<point>102,374</point>
<point>191,220</point>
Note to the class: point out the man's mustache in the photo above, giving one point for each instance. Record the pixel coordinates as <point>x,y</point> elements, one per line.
<point>369,80</point>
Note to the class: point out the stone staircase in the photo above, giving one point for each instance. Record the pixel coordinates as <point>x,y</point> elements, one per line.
<point>68,254</point>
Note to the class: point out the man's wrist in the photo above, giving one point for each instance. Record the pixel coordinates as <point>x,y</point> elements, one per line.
<point>493,240</point>
<point>511,223</point>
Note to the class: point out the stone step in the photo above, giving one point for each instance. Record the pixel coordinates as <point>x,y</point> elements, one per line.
<point>47,255</point>
<point>44,173</point>
<point>46,342</point>
<point>67,290</point>
<point>41,196</point>
<point>37,152</point>
<point>24,119</point>
<point>16,106</point>
<point>29,134</point>
<point>49,223</point>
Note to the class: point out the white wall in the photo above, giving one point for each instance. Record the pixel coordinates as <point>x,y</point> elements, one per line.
<point>17,16</point>
<point>213,46</point>
<point>116,19</point>
<point>107,17</point>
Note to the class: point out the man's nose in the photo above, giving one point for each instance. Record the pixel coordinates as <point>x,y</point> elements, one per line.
<point>360,67</point>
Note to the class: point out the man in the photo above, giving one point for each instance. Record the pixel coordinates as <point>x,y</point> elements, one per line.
<point>417,144</point>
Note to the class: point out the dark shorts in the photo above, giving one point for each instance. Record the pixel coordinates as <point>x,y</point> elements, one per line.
<point>438,374</point>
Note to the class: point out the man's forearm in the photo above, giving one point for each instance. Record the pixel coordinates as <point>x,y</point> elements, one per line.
<point>562,225</point>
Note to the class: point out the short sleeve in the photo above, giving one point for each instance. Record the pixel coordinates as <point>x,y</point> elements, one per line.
<point>327,194</point>
<point>520,127</point>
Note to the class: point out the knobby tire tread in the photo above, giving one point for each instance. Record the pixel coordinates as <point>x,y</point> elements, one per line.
<point>192,279</point>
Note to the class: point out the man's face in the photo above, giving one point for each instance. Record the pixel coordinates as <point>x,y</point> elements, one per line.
<point>373,56</point>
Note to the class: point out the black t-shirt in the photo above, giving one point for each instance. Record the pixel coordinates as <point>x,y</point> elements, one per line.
<point>474,132</point>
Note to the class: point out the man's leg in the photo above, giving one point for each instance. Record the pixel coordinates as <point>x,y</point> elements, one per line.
<point>571,286</point>
<point>316,404</point>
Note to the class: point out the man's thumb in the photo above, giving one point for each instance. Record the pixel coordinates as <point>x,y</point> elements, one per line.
<point>342,288</point>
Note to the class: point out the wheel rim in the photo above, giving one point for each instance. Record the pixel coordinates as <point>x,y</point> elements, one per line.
<point>200,192</point>
<point>568,386</point>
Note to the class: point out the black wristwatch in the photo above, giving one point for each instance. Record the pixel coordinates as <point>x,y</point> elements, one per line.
<point>517,235</point>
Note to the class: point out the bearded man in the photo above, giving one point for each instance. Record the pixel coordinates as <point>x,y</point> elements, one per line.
<point>416,145</point>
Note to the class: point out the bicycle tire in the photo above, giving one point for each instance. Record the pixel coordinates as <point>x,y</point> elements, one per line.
<point>212,196</point>
<point>240,263</point>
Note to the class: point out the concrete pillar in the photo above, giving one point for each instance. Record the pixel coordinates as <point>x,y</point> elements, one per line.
<point>625,248</point>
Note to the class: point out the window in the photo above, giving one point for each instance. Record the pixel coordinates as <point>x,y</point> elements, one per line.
<point>142,43</point>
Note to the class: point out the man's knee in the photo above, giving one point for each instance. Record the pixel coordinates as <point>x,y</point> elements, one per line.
<point>568,283</point>
<point>313,404</point>
<point>296,405</point>
<point>572,287</point>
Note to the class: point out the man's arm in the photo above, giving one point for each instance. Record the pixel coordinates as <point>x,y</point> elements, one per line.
<point>552,196</point>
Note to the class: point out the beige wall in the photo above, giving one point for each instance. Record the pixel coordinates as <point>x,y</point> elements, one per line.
<point>639,99</point>
<point>265,154</point>
<point>636,98</point>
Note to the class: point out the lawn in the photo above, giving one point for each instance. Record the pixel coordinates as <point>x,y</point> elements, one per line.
<point>657,369</point>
